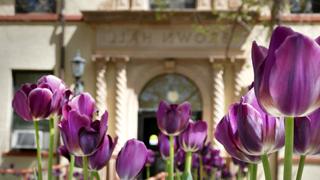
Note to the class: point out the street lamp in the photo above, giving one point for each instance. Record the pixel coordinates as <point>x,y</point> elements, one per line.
<point>78,64</point>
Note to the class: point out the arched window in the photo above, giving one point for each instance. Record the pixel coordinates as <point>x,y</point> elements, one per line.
<point>173,88</point>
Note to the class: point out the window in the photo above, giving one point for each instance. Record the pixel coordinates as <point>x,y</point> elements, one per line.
<point>21,129</point>
<point>169,4</point>
<point>173,88</point>
<point>305,6</point>
<point>29,6</point>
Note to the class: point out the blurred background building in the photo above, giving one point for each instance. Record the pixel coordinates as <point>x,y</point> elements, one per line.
<point>138,52</point>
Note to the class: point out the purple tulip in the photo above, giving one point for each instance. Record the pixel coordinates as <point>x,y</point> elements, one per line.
<point>286,76</point>
<point>164,145</point>
<point>58,89</point>
<point>38,101</point>
<point>306,134</point>
<point>31,102</point>
<point>248,132</point>
<point>131,159</point>
<point>192,139</point>
<point>80,133</point>
<point>179,159</point>
<point>172,119</point>
<point>151,158</point>
<point>83,103</point>
<point>211,157</point>
<point>97,160</point>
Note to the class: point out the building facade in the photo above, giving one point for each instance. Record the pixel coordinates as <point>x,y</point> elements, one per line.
<point>135,56</point>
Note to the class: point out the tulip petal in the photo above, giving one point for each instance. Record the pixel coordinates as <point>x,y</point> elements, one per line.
<point>39,101</point>
<point>301,134</point>
<point>279,34</point>
<point>318,40</point>
<point>258,54</point>
<point>101,157</point>
<point>164,145</point>
<point>75,122</point>
<point>131,159</point>
<point>53,82</point>
<point>88,140</point>
<point>27,88</point>
<point>250,127</point>
<point>225,136</point>
<point>103,124</point>
<point>63,151</point>
<point>84,103</point>
<point>20,105</point>
<point>296,70</point>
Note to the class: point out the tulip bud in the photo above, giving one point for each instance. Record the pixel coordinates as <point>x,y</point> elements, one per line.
<point>286,77</point>
<point>172,119</point>
<point>192,139</point>
<point>131,159</point>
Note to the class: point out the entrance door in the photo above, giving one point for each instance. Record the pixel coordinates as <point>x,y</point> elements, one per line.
<point>174,88</point>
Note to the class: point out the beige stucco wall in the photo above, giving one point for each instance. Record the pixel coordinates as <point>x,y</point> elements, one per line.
<point>72,7</point>
<point>34,46</point>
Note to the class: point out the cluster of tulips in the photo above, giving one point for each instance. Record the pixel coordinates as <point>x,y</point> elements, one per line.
<point>281,109</point>
<point>85,142</point>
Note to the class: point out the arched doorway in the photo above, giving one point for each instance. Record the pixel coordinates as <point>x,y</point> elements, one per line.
<point>174,88</point>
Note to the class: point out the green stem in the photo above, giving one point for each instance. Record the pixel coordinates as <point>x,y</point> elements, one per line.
<point>95,174</point>
<point>36,127</point>
<point>188,163</point>
<point>266,167</point>
<point>213,174</point>
<point>195,174</point>
<point>85,167</point>
<point>171,160</point>
<point>187,166</point>
<point>51,143</point>
<point>289,134</point>
<point>178,174</point>
<point>301,165</point>
<point>71,166</point>
<point>148,171</point>
<point>201,168</point>
<point>239,174</point>
<point>253,171</point>
<point>167,166</point>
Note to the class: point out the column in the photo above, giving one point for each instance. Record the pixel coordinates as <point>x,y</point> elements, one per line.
<point>204,5</point>
<point>101,84</point>
<point>140,5</point>
<point>238,82</point>
<point>121,103</point>
<point>218,94</point>
<point>221,5</point>
<point>122,4</point>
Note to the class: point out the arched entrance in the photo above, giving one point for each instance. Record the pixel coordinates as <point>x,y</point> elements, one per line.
<point>174,88</point>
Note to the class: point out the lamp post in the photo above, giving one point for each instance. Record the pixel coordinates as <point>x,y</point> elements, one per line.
<point>78,65</point>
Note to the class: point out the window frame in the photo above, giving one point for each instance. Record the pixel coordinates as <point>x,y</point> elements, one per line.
<point>54,10</point>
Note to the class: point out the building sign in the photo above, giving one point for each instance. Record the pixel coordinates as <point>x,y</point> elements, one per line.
<point>164,37</point>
